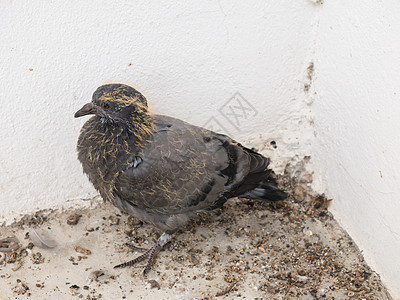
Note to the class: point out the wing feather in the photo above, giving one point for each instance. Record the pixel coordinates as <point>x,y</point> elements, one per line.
<point>182,168</point>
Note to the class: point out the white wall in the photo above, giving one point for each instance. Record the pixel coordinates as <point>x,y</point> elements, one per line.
<point>357,120</point>
<point>188,59</point>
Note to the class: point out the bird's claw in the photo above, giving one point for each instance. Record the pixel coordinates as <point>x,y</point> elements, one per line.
<point>150,254</point>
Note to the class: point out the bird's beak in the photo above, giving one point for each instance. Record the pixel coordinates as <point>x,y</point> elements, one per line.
<point>87,109</point>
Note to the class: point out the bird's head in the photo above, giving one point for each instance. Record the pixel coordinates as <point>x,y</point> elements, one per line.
<point>116,104</point>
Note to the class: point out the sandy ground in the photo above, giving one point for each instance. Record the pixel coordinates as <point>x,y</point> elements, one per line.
<point>247,250</point>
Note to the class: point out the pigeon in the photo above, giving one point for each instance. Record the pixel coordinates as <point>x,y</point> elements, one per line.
<point>162,170</point>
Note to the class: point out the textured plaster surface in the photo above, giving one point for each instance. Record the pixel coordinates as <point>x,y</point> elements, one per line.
<point>357,121</point>
<point>187,59</point>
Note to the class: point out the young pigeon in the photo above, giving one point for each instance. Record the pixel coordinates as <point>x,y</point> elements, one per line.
<point>162,170</point>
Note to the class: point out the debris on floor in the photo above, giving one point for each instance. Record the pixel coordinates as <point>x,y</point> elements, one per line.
<point>73,219</point>
<point>247,249</point>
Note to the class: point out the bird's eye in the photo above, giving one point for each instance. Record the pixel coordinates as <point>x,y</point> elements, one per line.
<point>104,105</point>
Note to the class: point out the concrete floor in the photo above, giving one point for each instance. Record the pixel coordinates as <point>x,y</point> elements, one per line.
<point>247,250</point>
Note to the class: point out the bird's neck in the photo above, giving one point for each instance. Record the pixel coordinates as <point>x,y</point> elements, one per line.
<point>139,127</point>
<point>142,126</point>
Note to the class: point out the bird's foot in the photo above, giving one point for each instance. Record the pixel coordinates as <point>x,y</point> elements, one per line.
<point>149,254</point>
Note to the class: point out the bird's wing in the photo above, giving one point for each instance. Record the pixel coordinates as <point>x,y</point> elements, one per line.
<point>183,168</point>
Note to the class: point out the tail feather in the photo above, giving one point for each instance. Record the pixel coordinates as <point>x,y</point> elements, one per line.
<point>266,193</point>
<point>260,183</point>
<point>261,186</point>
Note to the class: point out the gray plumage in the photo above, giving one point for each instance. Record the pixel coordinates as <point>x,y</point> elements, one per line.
<point>162,170</point>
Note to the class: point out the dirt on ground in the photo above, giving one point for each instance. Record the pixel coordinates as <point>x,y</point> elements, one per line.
<point>245,250</point>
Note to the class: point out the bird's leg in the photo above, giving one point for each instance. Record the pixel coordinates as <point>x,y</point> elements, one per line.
<point>150,254</point>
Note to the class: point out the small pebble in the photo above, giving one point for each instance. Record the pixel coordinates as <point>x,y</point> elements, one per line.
<point>154,284</point>
<point>73,219</point>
